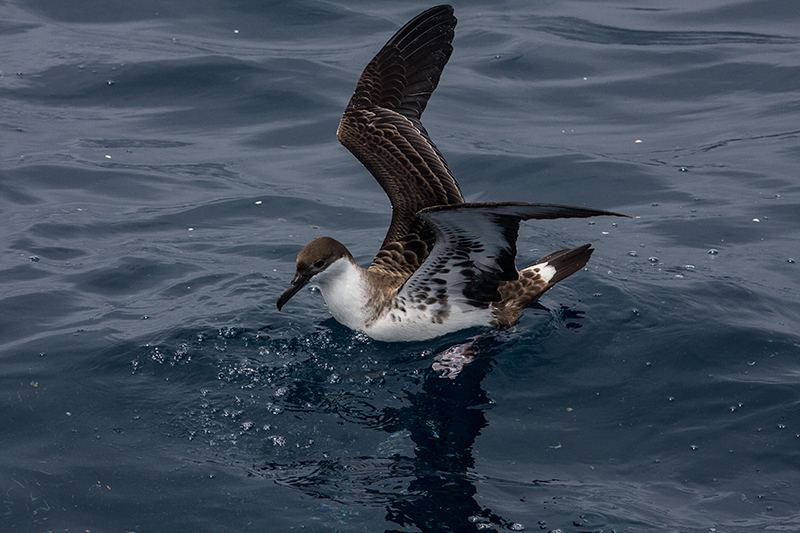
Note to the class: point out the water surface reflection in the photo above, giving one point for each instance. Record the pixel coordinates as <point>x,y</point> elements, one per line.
<point>434,489</point>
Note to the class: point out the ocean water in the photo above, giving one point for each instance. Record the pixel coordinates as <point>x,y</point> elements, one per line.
<point>161,163</point>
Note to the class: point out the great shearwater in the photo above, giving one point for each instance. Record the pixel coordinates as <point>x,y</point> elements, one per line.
<point>445,264</point>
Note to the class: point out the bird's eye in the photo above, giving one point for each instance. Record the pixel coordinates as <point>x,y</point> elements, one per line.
<point>319,264</point>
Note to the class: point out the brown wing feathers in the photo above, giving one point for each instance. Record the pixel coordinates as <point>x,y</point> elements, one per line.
<point>405,72</point>
<point>381,126</point>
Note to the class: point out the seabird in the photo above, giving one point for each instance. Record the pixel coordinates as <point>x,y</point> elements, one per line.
<point>445,264</point>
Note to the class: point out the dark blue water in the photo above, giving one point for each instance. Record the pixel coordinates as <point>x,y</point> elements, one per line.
<point>163,162</point>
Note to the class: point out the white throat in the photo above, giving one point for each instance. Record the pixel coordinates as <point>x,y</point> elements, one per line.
<point>344,289</point>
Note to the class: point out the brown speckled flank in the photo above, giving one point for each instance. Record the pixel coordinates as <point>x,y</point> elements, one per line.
<point>441,257</point>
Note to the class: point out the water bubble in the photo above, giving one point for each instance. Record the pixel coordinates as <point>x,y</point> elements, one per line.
<point>713,251</point>
<point>683,169</point>
<point>653,259</point>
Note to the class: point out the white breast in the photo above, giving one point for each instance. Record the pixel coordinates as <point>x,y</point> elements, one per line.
<point>416,325</point>
<point>343,286</point>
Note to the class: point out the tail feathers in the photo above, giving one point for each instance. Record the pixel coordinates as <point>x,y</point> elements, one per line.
<point>566,262</point>
<point>535,280</point>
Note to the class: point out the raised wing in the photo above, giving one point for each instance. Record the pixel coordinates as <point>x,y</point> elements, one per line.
<point>381,126</point>
<point>475,250</point>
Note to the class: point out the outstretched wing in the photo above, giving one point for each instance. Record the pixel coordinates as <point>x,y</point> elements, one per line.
<point>476,245</point>
<point>381,126</point>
